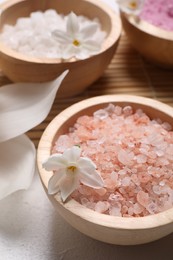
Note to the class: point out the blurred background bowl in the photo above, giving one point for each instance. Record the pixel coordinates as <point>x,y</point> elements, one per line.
<point>21,68</point>
<point>106,228</point>
<point>152,42</point>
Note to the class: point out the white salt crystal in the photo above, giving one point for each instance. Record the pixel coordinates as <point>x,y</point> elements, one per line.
<point>167,126</point>
<point>13,40</point>
<point>139,112</point>
<point>63,143</point>
<point>127,110</point>
<point>37,19</point>
<point>50,13</point>
<point>36,32</point>
<point>152,208</point>
<point>102,206</point>
<point>115,210</point>
<point>23,24</point>
<point>123,171</point>
<point>126,181</point>
<point>161,183</point>
<point>118,110</point>
<point>125,157</point>
<point>101,114</point>
<point>114,198</point>
<point>130,211</point>
<point>114,176</point>
<point>110,108</point>
<point>84,201</point>
<point>137,208</point>
<point>159,152</point>
<point>101,191</point>
<point>24,49</point>
<point>141,158</point>
<point>156,189</point>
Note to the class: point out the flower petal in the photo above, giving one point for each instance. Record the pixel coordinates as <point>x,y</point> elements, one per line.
<point>89,30</point>
<point>54,181</point>
<point>61,37</point>
<point>69,51</point>
<point>83,54</point>
<point>54,162</point>
<point>72,155</point>
<point>91,45</point>
<point>87,49</point>
<point>72,25</point>
<point>93,179</point>
<point>25,105</point>
<point>86,164</point>
<point>17,165</point>
<point>67,185</point>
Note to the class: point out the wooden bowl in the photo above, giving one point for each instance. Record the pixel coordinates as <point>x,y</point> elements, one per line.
<point>106,228</point>
<point>21,68</point>
<point>155,44</point>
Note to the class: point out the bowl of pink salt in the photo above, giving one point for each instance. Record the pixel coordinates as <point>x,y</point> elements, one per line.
<point>117,184</point>
<point>151,31</point>
<point>41,39</point>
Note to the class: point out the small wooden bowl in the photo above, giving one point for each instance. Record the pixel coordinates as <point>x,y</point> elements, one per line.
<point>106,228</point>
<point>21,68</point>
<point>155,44</point>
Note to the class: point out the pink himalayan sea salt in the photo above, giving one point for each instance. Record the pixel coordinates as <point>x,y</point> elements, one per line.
<point>134,155</point>
<point>158,13</point>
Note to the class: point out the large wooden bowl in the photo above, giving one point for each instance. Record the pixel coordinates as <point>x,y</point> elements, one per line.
<point>110,229</point>
<point>155,44</point>
<point>21,68</point>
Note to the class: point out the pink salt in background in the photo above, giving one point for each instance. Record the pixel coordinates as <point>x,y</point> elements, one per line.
<point>158,13</point>
<point>134,156</point>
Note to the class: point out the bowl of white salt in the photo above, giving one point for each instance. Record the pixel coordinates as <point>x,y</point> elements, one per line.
<point>106,165</point>
<point>41,39</point>
<point>150,31</point>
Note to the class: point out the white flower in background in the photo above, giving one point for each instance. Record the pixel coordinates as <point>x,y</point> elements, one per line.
<point>69,171</point>
<point>130,6</point>
<point>77,41</point>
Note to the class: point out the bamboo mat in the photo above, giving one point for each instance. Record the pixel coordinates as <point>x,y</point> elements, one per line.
<point>128,73</point>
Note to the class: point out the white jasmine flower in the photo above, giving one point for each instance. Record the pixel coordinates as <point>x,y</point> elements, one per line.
<point>77,41</point>
<point>69,171</point>
<point>130,6</point>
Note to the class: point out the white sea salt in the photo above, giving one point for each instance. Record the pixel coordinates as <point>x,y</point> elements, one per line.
<point>33,36</point>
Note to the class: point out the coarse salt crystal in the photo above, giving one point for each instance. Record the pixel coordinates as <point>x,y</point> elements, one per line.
<point>138,178</point>
<point>101,206</point>
<point>125,157</point>
<point>33,35</point>
<point>115,210</point>
<point>141,158</point>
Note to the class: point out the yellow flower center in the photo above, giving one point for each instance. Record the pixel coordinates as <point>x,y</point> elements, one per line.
<point>76,42</point>
<point>133,5</point>
<point>71,168</point>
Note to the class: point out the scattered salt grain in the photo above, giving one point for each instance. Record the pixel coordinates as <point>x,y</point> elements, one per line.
<point>138,178</point>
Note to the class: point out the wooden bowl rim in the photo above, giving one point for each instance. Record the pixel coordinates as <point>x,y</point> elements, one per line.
<point>111,39</point>
<point>131,223</point>
<point>148,28</point>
